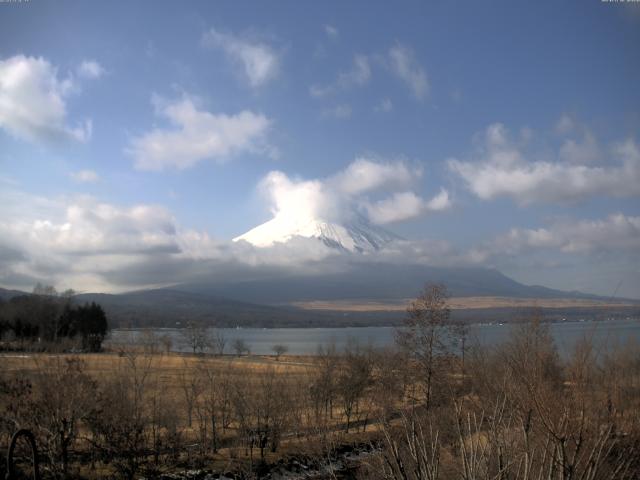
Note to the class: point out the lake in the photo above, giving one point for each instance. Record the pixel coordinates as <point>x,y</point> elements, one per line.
<point>305,341</point>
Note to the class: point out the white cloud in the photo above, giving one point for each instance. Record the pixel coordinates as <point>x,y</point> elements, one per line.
<point>358,75</point>
<point>99,228</point>
<point>582,151</point>
<point>339,111</point>
<point>579,145</point>
<point>331,31</point>
<point>90,69</point>
<point>402,62</point>
<point>84,176</point>
<point>88,227</point>
<point>441,201</point>
<point>404,205</point>
<point>614,237</point>
<point>197,135</point>
<point>33,101</point>
<point>363,175</point>
<point>615,233</point>
<point>502,168</point>
<point>86,244</point>
<point>399,60</point>
<point>294,198</point>
<point>259,61</point>
<point>378,190</point>
<point>385,105</point>
<point>76,241</point>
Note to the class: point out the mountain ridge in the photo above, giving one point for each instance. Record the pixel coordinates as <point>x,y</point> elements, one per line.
<point>174,307</point>
<point>372,280</point>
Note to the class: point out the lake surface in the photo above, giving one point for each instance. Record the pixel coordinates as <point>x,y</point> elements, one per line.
<point>305,341</point>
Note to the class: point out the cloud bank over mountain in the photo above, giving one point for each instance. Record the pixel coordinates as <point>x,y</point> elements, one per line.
<point>81,242</point>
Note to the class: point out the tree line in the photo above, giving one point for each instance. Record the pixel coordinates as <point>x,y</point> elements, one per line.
<point>48,319</point>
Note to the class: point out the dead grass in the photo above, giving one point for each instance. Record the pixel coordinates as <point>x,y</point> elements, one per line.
<point>166,375</point>
<point>459,303</point>
<point>99,363</point>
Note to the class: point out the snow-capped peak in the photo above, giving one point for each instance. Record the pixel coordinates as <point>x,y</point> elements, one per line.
<point>355,236</point>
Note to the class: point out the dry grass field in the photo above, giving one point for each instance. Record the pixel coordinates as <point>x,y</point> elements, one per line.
<point>459,303</point>
<point>179,393</point>
<point>168,365</point>
<point>165,374</point>
<point>140,412</point>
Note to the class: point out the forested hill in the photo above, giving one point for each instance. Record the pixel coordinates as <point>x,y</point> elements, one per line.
<point>174,308</point>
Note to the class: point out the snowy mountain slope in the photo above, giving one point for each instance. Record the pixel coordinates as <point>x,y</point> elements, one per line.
<point>355,236</point>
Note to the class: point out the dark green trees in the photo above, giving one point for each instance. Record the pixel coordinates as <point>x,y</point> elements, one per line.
<point>46,318</point>
<point>88,321</point>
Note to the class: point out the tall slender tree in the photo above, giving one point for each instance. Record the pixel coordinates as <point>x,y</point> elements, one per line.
<point>427,333</point>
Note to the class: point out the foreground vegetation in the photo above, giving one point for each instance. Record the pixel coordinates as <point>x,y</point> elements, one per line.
<point>432,408</point>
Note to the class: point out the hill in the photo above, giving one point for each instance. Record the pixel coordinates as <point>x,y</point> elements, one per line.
<point>366,294</point>
<point>374,281</point>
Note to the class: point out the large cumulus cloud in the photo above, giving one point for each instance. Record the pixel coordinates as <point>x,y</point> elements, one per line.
<point>383,191</point>
<point>578,169</point>
<point>33,100</point>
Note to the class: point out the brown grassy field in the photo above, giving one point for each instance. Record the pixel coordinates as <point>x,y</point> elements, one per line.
<point>168,364</point>
<point>142,412</point>
<point>167,371</point>
<point>167,379</point>
<point>459,303</point>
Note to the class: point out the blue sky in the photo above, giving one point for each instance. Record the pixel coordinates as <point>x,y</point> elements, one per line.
<point>141,132</point>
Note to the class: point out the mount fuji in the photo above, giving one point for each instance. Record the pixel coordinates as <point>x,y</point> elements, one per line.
<point>356,235</point>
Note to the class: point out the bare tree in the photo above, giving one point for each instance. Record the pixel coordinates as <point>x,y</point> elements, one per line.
<point>323,384</point>
<point>213,408</point>
<point>196,337</point>
<point>353,380</point>
<point>411,451</point>
<point>149,341</point>
<point>119,422</point>
<point>219,342</point>
<point>191,387</point>
<point>391,380</point>
<point>279,350</point>
<point>427,333</point>
<point>535,417</point>
<point>262,408</point>
<point>240,346</point>
<point>62,398</point>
